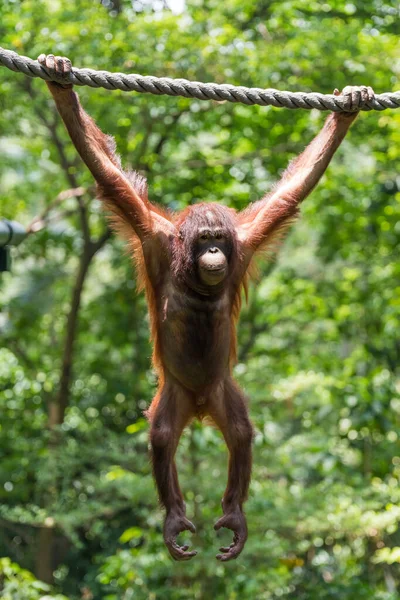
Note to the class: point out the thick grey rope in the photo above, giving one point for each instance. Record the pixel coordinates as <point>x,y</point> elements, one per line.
<point>194,89</point>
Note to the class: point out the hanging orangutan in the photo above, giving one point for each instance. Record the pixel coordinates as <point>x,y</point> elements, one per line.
<point>192,266</point>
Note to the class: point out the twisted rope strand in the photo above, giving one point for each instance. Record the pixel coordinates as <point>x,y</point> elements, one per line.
<point>194,89</point>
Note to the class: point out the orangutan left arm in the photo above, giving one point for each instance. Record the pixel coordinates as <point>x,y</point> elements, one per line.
<point>272,215</point>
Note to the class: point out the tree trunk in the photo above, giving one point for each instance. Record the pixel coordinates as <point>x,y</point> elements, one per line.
<point>44,555</point>
<point>46,558</point>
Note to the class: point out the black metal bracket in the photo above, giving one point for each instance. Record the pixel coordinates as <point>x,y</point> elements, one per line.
<point>11,234</point>
<point>5,259</point>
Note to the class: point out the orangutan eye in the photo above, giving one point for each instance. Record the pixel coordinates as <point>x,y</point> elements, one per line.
<point>204,236</point>
<point>218,236</point>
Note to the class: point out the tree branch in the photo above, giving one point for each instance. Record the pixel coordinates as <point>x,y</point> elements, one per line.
<point>40,221</point>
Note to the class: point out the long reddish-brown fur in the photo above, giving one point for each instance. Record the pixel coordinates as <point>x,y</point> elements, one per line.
<point>194,297</point>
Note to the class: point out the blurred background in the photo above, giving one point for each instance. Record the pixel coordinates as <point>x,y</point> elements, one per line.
<point>319,339</point>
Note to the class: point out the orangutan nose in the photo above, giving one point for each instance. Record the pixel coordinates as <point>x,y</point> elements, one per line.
<point>213,250</point>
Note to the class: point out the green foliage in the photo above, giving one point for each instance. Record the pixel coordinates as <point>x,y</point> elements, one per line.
<point>20,584</point>
<point>319,349</point>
